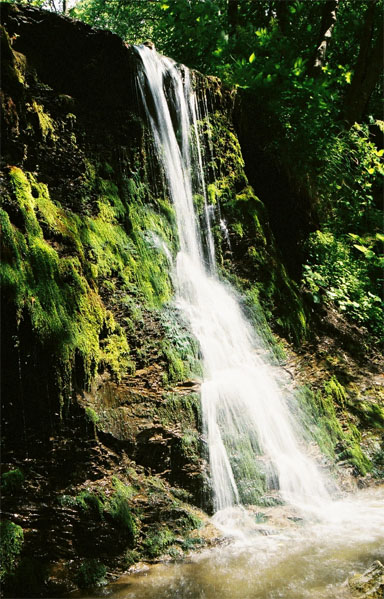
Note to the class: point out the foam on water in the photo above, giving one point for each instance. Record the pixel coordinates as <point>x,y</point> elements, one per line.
<point>245,412</point>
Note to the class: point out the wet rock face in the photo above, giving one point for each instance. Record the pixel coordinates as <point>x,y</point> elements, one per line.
<point>101,423</point>
<point>71,57</point>
<point>370,584</point>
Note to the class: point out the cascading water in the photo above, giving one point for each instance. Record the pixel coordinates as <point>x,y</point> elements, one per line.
<point>248,424</point>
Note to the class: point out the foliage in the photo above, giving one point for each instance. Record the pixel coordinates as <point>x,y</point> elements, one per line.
<point>11,542</point>
<point>349,275</point>
<point>90,573</point>
<point>179,349</point>
<point>345,259</point>
<point>53,5</point>
<point>12,481</point>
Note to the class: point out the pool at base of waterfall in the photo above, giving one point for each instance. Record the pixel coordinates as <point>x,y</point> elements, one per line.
<point>273,553</point>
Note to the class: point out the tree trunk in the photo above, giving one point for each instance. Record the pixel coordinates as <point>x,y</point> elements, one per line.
<point>233,8</point>
<point>369,66</point>
<point>328,20</point>
<point>282,15</point>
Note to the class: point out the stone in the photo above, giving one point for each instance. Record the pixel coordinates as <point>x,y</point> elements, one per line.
<point>370,584</point>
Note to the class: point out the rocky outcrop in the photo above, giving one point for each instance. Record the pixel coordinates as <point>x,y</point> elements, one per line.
<point>103,455</point>
<point>370,584</point>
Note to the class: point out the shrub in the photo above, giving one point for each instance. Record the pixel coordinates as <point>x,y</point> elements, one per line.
<point>12,481</point>
<point>11,542</point>
<point>347,273</point>
<point>91,573</point>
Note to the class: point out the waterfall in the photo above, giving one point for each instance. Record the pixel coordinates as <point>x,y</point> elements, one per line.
<point>250,430</point>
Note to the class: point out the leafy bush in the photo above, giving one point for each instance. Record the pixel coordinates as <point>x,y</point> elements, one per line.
<point>12,481</point>
<point>90,573</point>
<point>347,274</point>
<point>11,542</point>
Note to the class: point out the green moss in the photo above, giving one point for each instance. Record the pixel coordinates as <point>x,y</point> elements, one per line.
<point>191,521</point>
<point>11,542</point>
<point>91,573</point>
<point>12,481</point>
<point>227,161</point>
<point>120,510</point>
<point>157,540</point>
<point>20,65</point>
<point>190,444</point>
<point>46,124</point>
<point>56,290</point>
<point>150,230</point>
<point>64,311</point>
<point>334,390</point>
<point>238,229</point>
<point>90,503</point>
<point>179,349</point>
<point>191,543</point>
<point>91,415</point>
<point>177,371</point>
<point>326,411</point>
<point>370,414</point>
<point>185,410</point>
<point>131,557</point>
<point>67,501</point>
<point>115,349</point>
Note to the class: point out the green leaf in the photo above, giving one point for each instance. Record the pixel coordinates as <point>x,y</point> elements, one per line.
<point>252,58</point>
<point>164,6</point>
<point>361,248</point>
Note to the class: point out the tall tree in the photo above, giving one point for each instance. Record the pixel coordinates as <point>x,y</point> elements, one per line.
<point>369,66</point>
<point>327,24</point>
<point>233,8</point>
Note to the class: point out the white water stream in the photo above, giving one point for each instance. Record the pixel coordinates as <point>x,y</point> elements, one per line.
<point>248,424</point>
